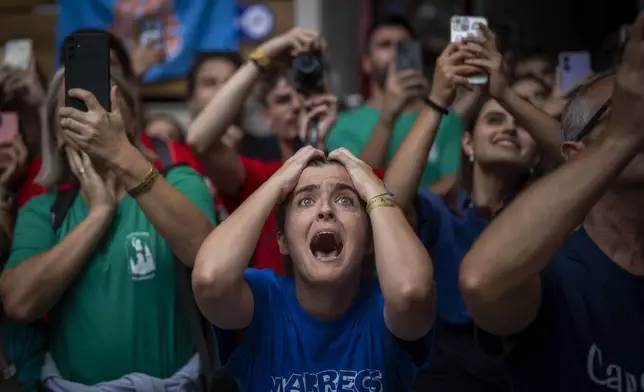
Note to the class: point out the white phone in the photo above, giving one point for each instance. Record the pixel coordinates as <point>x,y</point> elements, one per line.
<point>17,53</point>
<point>465,26</point>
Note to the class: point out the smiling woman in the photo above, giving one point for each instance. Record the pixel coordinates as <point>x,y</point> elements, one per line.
<point>329,322</point>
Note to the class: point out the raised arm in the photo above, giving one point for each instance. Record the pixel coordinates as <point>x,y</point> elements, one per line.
<point>407,166</point>
<point>218,282</point>
<point>31,286</point>
<point>404,268</point>
<point>222,164</point>
<point>544,129</point>
<point>500,275</point>
<point>102,136</point>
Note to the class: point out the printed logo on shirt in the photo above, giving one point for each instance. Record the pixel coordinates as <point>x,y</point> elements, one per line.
<point>330,381</point>
<point>433,155</point>
<point>610,375</point>
<point>139,256</point>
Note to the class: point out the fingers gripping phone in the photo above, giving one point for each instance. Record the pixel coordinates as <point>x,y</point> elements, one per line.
<point>87,67</point>
<point>465,26</point>
<point>409,55</point>
<point>574,67</point>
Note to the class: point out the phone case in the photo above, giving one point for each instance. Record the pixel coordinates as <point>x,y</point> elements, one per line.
<point>465,26</point>
<point>150,29</point>
<point>8,125</point>
<point>573,67</point>
<point>87,67</point>
<point>409,56</point>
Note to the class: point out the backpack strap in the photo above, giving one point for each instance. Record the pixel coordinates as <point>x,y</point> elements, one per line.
<point>61,205</point>
<point>202,331</point>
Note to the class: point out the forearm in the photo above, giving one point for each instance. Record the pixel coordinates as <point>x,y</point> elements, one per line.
<point>404,267</point>
<point>166,208</point>
<point>33,287</point>
<point>375,151</point>
<point>222,110</point>
<point>545,130</point>
<point>228,250</point>
<point>407,166</point>
<point>518,244</point>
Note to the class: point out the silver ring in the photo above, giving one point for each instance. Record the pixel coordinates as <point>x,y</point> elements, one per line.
<point>81,170</point>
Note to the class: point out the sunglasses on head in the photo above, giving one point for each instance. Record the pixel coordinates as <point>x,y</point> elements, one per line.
<point>588,128</point>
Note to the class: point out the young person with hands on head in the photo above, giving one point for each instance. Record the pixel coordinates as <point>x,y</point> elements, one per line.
<point>330,324</point>
<point>568,300</point>
<point>106,276</point>
<point>235,176</point>
<point>500,157</point>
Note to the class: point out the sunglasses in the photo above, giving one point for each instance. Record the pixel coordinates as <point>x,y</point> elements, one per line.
<point>597,117</point>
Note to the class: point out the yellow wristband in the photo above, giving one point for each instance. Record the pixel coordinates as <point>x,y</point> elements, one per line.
<point>380,201</point>
<point>259,57</point>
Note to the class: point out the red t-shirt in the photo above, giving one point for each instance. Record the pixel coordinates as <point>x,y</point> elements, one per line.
<point>267,253</point>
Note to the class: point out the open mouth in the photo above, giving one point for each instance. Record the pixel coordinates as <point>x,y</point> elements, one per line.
<point>508,143</point>
<point>326,245</point>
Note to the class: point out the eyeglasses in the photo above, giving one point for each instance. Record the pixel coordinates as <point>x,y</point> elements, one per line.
<point>597,117</point>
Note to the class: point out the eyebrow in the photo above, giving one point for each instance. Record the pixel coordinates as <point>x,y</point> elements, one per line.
<point>338,186</point>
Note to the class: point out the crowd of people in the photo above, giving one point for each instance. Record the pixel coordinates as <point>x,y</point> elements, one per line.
<point>443,236</point>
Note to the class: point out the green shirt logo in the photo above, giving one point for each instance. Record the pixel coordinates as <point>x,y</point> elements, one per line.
<point>142,266</point>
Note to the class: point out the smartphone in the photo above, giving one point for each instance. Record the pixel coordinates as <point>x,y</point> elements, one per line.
<point>8,125</point>
<point>17,53</point>
<point>150,29</point>
<point>465,26</point>
<point>409,55</point>
<point>624,33</point>
<point>87,67</point>
<point>573,67</point>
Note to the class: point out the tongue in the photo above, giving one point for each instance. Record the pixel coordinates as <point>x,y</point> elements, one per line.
<point>326,255</point>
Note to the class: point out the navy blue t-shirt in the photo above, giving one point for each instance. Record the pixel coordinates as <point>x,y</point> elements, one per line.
<point>285,349</point>
<point>589,333</point>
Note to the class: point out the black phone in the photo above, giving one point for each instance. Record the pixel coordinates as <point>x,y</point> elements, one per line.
<point>87,67</point>
<point>409,55</point>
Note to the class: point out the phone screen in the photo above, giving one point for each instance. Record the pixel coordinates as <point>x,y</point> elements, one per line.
<point>8,125</point>
<point>409,56</point>
<point>17,53</point>
<point>150,29</point>
<point>573,67</point>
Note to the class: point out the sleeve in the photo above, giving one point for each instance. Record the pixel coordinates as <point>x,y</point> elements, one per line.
<point>450,134</point>
<point>191,184</point>
<point>33,233</point>
<point>342,136</point>
<point>428,206</point>
<point>257,172</point>
<point>406,357</point>
<point>236,354</point>
<point>26,346</point>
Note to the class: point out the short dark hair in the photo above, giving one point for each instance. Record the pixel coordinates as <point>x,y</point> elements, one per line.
<point>116,45</point>
<point>202,57</point>
<point>392,20</point>
<point>269,81</point>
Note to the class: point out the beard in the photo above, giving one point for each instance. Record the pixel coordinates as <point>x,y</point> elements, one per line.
<point>379,75</point>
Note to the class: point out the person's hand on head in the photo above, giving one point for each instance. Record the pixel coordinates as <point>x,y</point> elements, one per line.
<point>627,115</point>
<point>451,73</point>
<point>401,88</point>
<point>322,108</point>
<point>97,132</point>
<point>367,184</point>
<point>487,56</point>
<point>146,56</point>
<point>13,164</point>
<point>292,43</point>
<point>98,192</point>
<point>287,176</point>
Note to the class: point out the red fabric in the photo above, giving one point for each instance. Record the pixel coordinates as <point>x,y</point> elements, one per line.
<point>267,253</point>
<point>29,188</point>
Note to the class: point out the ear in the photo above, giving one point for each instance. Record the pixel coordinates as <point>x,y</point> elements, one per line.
<point>366,65</point>
<point>281,241</point>
<point>570,149</point>
<point>467,144</point>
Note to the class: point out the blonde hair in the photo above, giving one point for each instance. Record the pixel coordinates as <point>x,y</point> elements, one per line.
<point>54,164</point>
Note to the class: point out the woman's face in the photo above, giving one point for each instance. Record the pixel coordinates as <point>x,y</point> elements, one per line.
<point>531,90</point>
<point>326,229</point>
<point>497,140</point>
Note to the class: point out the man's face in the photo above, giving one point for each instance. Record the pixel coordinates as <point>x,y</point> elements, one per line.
<point>282,109</point>
<point>382,51</point>
<point>210,76</point>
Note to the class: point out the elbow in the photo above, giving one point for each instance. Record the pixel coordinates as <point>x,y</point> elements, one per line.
<point>414,295</point>
<point>194,142</point>
<point>205,284</point>
<point>474,287</point>
<point>19,309</point>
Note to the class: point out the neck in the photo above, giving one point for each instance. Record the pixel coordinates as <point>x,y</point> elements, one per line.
<point>326,301</point>
<point>616,225</point>
<point>490,187</point>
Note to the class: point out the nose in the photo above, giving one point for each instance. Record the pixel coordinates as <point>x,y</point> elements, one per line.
<point>326,212</point>
<point>510,127</point>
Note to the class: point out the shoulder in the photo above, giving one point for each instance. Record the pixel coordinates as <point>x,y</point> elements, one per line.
<point>262,283</point>
<point>258,168</point>
<point>429,203</point>
<point>39,203</point>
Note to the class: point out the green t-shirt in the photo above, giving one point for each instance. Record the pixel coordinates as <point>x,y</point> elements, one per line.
<point>122,313</point>
<point>26,345</point>
<point>353,130</point>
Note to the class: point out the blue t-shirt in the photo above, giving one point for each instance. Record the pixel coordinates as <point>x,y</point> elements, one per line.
<point>589,333</point>
<point>448,235</point>
<point>285,349</point>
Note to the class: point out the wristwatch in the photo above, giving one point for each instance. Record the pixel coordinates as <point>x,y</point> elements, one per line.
<point>8,372</point>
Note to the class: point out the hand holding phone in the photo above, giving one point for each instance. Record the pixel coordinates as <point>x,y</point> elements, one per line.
<point>573,68</point>
<point>18,53</point>
<point>409,55</point>
<point>467,26</point>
